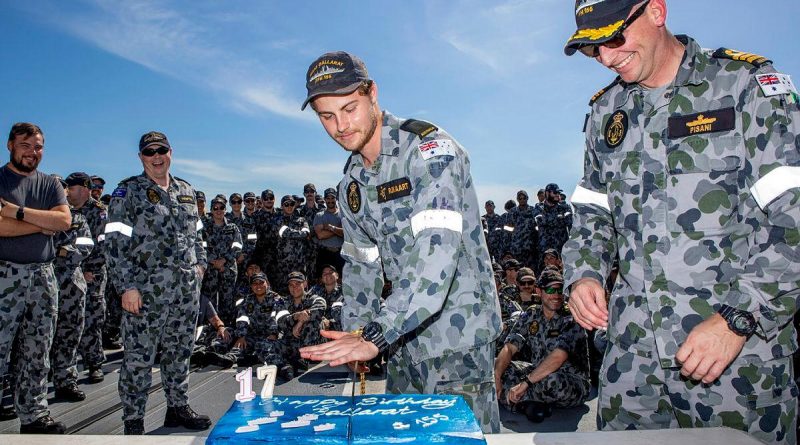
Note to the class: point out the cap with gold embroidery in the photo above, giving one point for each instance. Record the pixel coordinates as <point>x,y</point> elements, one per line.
<point>598,21</point>
<point>337,73</point>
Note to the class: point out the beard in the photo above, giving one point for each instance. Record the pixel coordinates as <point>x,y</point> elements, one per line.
<point>19,165</point>
<point>373,125</point>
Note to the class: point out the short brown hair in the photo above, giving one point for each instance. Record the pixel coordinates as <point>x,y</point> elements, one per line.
<point>24,128</point>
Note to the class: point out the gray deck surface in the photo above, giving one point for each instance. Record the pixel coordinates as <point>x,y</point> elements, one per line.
<point>212,390</point>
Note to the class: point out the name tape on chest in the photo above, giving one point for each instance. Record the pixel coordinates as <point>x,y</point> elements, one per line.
<point>774,84</point>
<point>186,199</point>
<point>436,147</point>
<point>394,189</point>
<point>119,192</point>
<point>711,121</point>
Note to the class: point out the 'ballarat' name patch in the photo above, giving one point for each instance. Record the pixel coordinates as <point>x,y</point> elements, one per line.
<point>397,188</point>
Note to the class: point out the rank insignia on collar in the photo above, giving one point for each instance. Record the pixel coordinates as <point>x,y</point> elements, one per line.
<point>397,188</point>
<point>552,333</point>
<point>153,196</point>
<point>616,128</point>
<point>354,196</point>
<point>534,327</point>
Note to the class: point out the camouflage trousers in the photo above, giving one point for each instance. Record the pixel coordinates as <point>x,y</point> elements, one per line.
<point>759,398</point>
<point>69,327</point>
<point>166,322</point>
<point>28,310</point>
<point>220,289</point>
<point>468,373</point>
<point>309,336</point>
<point>92,340</point>
<point>113,312</point>
<point>265,350</point>
<point>559,389</point>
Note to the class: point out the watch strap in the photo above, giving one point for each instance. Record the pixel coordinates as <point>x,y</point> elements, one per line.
<point>20,213</point>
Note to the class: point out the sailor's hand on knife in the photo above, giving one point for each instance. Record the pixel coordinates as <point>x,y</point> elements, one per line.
<point>344,348</point>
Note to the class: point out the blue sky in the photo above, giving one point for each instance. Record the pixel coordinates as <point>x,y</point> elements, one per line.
<point>225,80</point>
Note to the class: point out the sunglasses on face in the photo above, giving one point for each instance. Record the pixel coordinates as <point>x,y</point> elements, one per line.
<point>289,204</point>
<point>148,152</point>
<point>526,283</point>
<point>217,208</point>
<point>249,200</point>
<point>552,290</point>
<point>236,202</point>
<point>618,39</point>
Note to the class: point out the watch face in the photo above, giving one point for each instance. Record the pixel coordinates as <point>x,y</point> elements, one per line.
<point>742,324</point>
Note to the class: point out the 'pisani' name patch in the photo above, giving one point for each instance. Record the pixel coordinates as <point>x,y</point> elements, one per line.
<point>394,189</point>
<point>711,121</point>
<point>436,147</point>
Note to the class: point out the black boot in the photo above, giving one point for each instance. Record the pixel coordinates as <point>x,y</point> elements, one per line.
<point>95,374</point>
<point>186,417</point>
<point>70,393</point>
<point>43,425</point>
<point>286,372</point>
<point>134,427</point>
<point>535,412</point>
<point>224,361</point>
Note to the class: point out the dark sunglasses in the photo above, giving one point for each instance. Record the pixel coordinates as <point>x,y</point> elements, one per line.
<point>593,50</point>
<point>552,290</point>
<point>236,202</point>
<point>217,208</point>
<point>289,204</point>
<point>148,152</point>
<point>249,200</point>
<point>526,283</point>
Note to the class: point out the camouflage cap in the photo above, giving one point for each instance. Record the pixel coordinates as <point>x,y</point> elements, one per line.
<point>337,73</point>
<point>549,277</point>
<point>258,276</point>
<point>235,196</point>
<point>553,187</point>
<point>525,272</point>
<point>200,196</point>
<point>266,194</point>
<point>551,251</point>
<point>330,191</point>
<point>309,188</point>
<point>288,198</point>
<point>249,195</point>
<point>153,138</point>
<point>79,178</point>
<point>598,21</point>
<point>296,276</point>
<point>98,179</point>
<point>511,264</point>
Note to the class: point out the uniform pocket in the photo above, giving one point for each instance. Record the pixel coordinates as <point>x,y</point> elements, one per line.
<point>703,185</point>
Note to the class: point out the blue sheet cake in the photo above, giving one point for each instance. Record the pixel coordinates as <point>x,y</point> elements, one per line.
<point>384,418</point>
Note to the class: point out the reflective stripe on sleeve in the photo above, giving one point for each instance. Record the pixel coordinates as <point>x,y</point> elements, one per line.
<point>204,244</point>
<point>84,241</point>
<point>281,314</point>
<point>585,196</point>
<point>236,244</point>
<point>337,304</point>
<point>282,229</point>
<point>243,318</point>
<point>252,236</point>
<point>199,225</point>
<point>774,184</point>
<point>436,219</point>
<point>101,238</point>
<point>362,254</point>
<point>119,227</point>
<point>508,228</point>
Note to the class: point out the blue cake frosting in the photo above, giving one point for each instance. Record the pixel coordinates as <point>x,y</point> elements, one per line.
<point>383,418</point>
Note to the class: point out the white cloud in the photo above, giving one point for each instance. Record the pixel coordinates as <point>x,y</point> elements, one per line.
<point>188,48</point>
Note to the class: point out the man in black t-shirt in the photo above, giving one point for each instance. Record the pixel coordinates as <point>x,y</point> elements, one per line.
<point>32,208</point>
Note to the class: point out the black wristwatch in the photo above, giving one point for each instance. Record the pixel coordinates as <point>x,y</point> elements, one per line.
<point>740,322</point>
<point>373,332</point>
<point>20,213</point>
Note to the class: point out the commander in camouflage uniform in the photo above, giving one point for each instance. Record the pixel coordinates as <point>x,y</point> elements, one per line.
<point>94,271</point>
<point>72,246</point>
<point>156,260</point>
<point>691,175</point>
<point>411,211</point>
